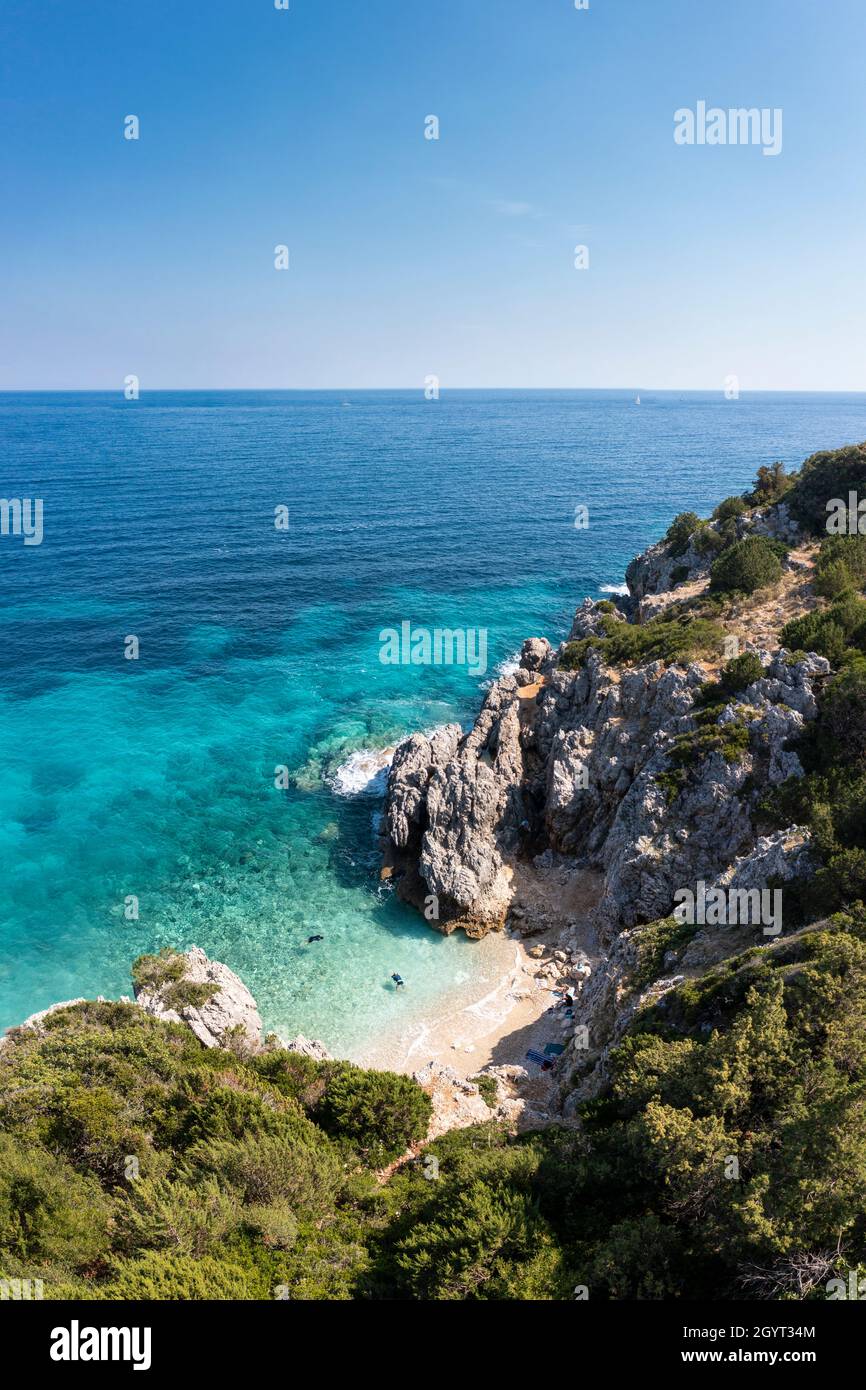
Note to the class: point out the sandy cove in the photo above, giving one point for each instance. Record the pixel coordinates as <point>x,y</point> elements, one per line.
<point>486,1026</point>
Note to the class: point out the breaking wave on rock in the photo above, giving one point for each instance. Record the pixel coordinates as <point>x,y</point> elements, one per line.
<point>364,773</point>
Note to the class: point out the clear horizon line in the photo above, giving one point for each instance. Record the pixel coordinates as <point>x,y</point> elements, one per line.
<point>443,390</point>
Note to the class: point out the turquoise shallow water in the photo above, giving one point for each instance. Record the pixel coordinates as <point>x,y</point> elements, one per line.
<point>260,648</point>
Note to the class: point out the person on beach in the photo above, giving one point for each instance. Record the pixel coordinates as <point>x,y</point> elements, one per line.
<point>399,982</point>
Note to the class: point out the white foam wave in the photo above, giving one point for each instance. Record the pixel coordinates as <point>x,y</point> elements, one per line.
<point>509,665</point>
<point>364,773</point>
<point>613,589</point>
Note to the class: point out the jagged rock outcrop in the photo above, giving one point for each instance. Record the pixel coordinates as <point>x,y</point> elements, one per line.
<point>652,572</point>
<point>456,1102</point>
<point>774,521</point>
<point>214,1003</point>
<point>413,762</point>
<point>229,1011</point>
<point>580,763</point>
<point>589,621</point>
<point>453,813</point>
<point>783,857</point>
<point>579,772</point>
<point>535,654</point>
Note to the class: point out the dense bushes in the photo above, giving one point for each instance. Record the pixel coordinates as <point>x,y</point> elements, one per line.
<point>136,1163</point>
<point>771,484</point>
<point>379,1112</point>
<point>841,729</point>
<point>822,478</point>
<point>690,750</point>
<point>730,509</point>
<point>710,1168</point>
<point>831,799</point>
<point>48,1212</point>
<point>735,676</point>
<point>671,637</point>
<point>838,632</point>
<point>761,1060</point>
<point>680,531</point>
<point>841,566</point>
<point>751,564</point>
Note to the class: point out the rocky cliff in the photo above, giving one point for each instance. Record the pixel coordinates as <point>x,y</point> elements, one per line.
<point>647,773</point>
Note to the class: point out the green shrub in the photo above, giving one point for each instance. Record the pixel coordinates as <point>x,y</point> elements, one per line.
<point>652,944</point>
<point>730,509</point>
<point>181,1279</point>
<point>824,477</point>
<point>276,1224</point>
<point>838,633</point>
<point>707,541</point>
<point>573,656</point>
<point>731,740</point>
<point>841,566</point>
<point>673,636</point>
<point>486,1241</point>
<point>379,1112</point>
<point>680,531</point>
<point>158,1214</point>
<point>304,1171</point>
<point>678,574</point>
<point>165,974</point>
<point>92,1128</point>
<point>833,580</point>
<point>735,676</point>
<point>841,881</point>
<point>771,484</point>
<point>487,1086</point>
<point>749,565</point>
<point>841,729</point>
<point>740,672</point>
<point>48,1212</point>
<point>152,972</point>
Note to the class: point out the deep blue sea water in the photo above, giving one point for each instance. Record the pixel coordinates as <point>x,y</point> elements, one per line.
<point>260,648</point>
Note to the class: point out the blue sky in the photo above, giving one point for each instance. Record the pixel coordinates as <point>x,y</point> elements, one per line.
<point>411,257</point>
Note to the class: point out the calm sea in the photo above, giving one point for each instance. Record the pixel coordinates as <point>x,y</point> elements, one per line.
<point>154,778</point>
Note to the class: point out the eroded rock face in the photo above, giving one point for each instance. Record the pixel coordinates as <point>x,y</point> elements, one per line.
<point>214,1021</point>
<point>454,810</point>
<point>411,767</point>
<point>589,621</point>
<point>653,571</point>
<point>534,654</point>
<point>779,858</point>
<point>578,764</point>
<point>776,522</point>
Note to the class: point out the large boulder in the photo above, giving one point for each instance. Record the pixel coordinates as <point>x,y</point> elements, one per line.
<point>187,987</point>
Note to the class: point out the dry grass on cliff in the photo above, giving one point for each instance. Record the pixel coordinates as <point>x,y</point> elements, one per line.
<point>757,620</point>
